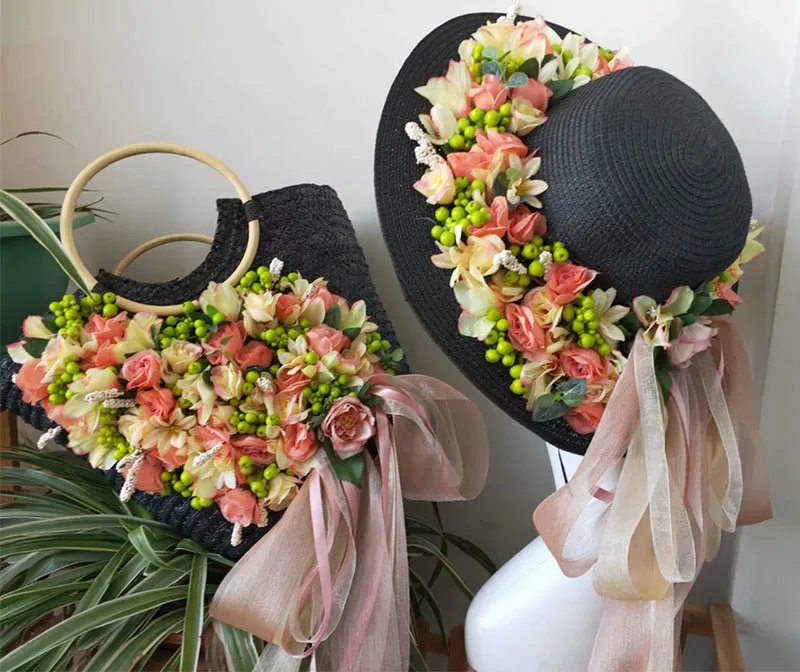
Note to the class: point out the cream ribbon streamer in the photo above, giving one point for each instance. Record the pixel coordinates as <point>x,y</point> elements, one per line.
<point>689,469</point>
<point>331,578</point>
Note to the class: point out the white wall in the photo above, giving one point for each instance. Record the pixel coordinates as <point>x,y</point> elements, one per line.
<point>289,92</point>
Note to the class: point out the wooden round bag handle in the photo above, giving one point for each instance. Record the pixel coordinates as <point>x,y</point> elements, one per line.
<point>134,254</point>
<point>74,191</point>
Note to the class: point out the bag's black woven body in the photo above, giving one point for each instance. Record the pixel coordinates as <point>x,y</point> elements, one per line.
<point>304,225</point>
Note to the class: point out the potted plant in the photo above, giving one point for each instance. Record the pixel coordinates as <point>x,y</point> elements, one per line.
<point>19,253</point>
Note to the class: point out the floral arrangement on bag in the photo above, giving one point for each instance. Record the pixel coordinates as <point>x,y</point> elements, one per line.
<point>563,339</point>
<point>226,405</point>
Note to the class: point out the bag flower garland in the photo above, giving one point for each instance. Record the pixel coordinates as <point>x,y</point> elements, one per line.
<point>563,340</point>
<point>227,405</point>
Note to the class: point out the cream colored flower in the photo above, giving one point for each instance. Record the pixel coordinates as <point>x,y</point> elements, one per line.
<point>521,188</point>
<point>259,312</point>
<point>200,394</point>
<point>139,333</point>
<point>282,490</point>
<point>524,116</point>
<point>170,434</point>
<point>452,90</point>
<point>95,380</point>
<point>211,476</point>
<point>223,298</point>
<point>608,315</point>
<point>53,358</point>
<point>176,357</point>
<point>441,124</point>
<point>657,318</point>
<point>83,442</point>
<point>476,256</point>
<point>539,376</point>
<point>227,381</point>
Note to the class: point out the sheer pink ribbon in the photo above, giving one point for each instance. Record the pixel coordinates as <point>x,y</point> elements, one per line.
<point>341,592</point>
<point>688,470</point>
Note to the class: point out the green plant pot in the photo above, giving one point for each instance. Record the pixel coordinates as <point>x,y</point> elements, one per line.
<point>29,278</point>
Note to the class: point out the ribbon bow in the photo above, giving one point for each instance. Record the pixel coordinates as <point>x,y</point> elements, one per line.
<point>657,485</point>
<point>331,578</point>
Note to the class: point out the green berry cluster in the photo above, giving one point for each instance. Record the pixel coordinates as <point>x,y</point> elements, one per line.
<point>478,119</point>
<point>180,482</point>
<point>109,435</point>
<point>278,337</point>
<point>57,389</point>
<point>321,395</point>
<point>378,345</point>
<point>70,314</point>
<point>529,253</point>
<point>583,322</point>
<point>257,477</point>
<point>514,279</point>
<point>255,281</point>
<point>512,63</point>
<point>501,350</point>
<point>194,326</point>
<point>581,70</point>
<point>465,212</point>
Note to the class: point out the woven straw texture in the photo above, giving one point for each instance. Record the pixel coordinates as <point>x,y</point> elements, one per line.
<point>645,186</point>
<point>307,227</point>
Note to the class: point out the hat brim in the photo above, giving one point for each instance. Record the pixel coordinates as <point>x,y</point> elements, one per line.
<point>404,217</point>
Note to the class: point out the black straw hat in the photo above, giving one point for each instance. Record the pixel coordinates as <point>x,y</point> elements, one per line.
<point>308,228</point>
<point>645,185</point>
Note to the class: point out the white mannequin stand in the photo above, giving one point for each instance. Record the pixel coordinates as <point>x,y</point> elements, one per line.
<point>529,616</point>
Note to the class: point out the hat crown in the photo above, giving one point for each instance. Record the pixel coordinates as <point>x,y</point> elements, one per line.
<point>645,184</point>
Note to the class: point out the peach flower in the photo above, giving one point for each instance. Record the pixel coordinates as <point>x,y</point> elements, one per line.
<point>498,224</point>
<point>490,94</point>
<point>254,354</point>
<point>464,164</point>
<point>106,330</point>
<point>324,339</point>
<point>580,362</point>
<point>258,449</point>
<point>158,402</point>
<point>226,343</point>
<point>287,310</point>
<point>545,312</point>
<point>348,424</point>
<point>298,442</point>
<point>566,280</point>
<point>238,506</point>
<point>142,370</point>
<point>525,334</point>
<point>149,477</point>
<point>107,354</point>
<point>29,379</point>
<point>584,419</point>
<point>536,93</point>
<point>523,225</point>
<point>292,383</point>
<point>328,298</point>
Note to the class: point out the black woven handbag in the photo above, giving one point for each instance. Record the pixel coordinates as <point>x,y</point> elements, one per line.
<point>305,225</point>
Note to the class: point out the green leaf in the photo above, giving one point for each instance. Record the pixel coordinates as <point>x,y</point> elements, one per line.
<point>145,641</point>
<point>43,234</point>
<point>547,408</point>
<point>70,490</point>
<point>240,650</point>
<point>471,549</point>
<point>67,524</point>
<point>352,332</point>
<point>35,346</point>
<point>517,79</point>
<point>665,383</point>
<point>419,585</point>
<point>363,390</point>
<point>350,470</point>
<point>560,87</point>
<point>32,596</point>
<point>491,53</point>
<point>67,544</point>
<point>397,355</point>
<point>149,548</point>
<point>701,303</point>
<point>572,391</point>
<point>103,614</point>
<point>719,307</point>
<point>192,547</point>
<point>333,316</point>
<point>500,185</point>
<point>547,58</point>
<point>127,575</point>
<point>492,68</point>
<point>195,615</point>
<point>530,68</point>
<point>154,336</point>
<point>427,548</point>
<point>29,133</point>
<point>688,319</point>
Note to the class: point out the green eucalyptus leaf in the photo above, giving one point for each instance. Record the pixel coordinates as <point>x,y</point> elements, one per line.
<point>491,53</point>
<point>350,469</point>
<point>572,391</point>
<point>194,615</point>
<point>35,346</point>
<point>352,332</point>
<point>719,307</point>
<point>333,316</point>
<point>547,408</point>
<point>560,87</point>
<point>397,355</point>
<point>491,68</point>
<point>517,79</point>
<point>21,213</point>
<point>530,68</point>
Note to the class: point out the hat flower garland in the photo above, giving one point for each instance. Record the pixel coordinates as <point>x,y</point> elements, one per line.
<point>227,405</point>
<point>563,339</point>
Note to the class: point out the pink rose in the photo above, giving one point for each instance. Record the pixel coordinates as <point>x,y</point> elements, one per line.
<point>348,424</point>
<point>106,354</point>
<point>324,339</point>
<point>298,442</point>
<point>238,506</point>
<point>142,370</point>
<point>104,330</point>
<point>29,381</point>
<point>211,436</point>
<point>255,447</point>
<point>536,93</point>
<point>580,362</point>
<point>494,141</point>
<point>565,280</point>
<point>287,306</point>
<point>292,383</point>
<point>498,224</point>
<point>525,334</point>
<point>490,94</point>
<point>254,354</point>
<point>464,164</point>
<point>523,225</point>
<point>229,339</point>
<point>158,402</point>
<point>585,418</point>
<point>322,292</point>
<point>691,340</point>
<point>149,477</point>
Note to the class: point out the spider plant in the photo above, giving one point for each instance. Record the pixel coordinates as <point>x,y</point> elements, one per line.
<point>88,582</point>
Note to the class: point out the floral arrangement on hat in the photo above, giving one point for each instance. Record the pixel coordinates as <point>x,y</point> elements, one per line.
<point>542,315</point>
<point>226,405</point>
